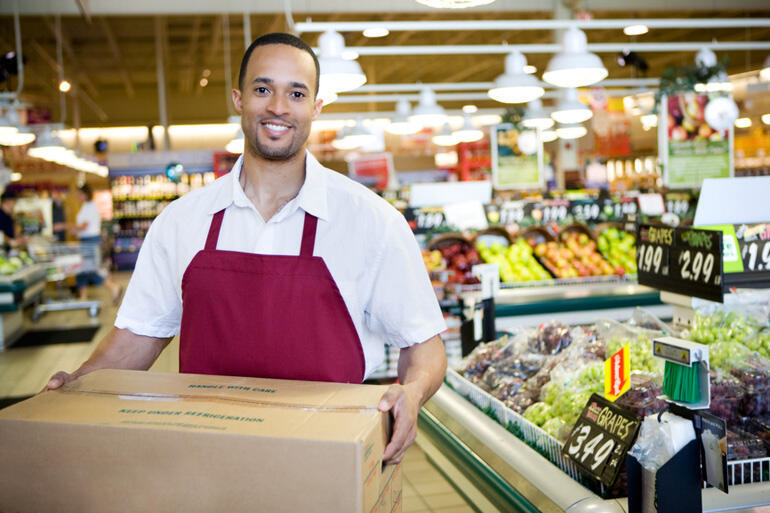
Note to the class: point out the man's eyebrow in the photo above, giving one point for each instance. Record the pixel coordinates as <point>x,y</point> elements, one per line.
<point>270,81</point>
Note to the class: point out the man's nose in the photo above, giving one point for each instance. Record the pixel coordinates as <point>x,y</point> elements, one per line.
<point>278,104</point>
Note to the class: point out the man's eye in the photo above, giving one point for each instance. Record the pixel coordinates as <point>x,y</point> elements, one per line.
<point>262,90</point>
<point>297,94</point>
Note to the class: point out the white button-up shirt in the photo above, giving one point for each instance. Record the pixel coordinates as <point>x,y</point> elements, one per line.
<point>365,242</point>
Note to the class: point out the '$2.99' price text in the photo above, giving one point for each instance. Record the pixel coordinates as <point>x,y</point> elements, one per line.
<point>592,453</point>
<point>695,266</point>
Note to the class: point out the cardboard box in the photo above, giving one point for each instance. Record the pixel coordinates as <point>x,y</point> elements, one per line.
<point>123,441</point>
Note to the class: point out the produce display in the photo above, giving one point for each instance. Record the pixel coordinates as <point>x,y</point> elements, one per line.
<point>619,248</point>
<point>575,256</point>
<point>10,265</point>
<point>458,256</point>
<point>516,262</point>
<point>433,260</point>
<point>640,352</point>
<point>723,325</point>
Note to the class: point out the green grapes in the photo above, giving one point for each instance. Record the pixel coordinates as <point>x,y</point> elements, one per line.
<point>723,325</point>
<point>640,352</point>
<point>538,413</point>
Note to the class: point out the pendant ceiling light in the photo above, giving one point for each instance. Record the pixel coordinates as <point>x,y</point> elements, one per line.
<point>454,4</point>
<point>570,109</point>
<point>48,145</point>
<point>765,71</point>
<point>342,141</point>
<point>327,96</point>
<point>548,135</point>
<point>360,136</point>
<point>11,132</point>
<point>571,131</point>
<point>445,137</point>
<point>428,113</point>
<point>337,74</point>
<point>516,86</point>
<point>535,117</point>
<point>574,66</point>
<point>468,132</point>
<point>401,124</point>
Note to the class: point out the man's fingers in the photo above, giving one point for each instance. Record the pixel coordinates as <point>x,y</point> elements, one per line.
<point>57,380</point>
<point>396,450</point>
<point>389,399</point>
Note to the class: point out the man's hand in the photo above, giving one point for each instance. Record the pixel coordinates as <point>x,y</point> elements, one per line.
<point>404,406</point>
<point>57,380</point>
<point>421,370</point>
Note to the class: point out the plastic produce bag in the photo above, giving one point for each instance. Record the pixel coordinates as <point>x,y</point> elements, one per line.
<point>550,338</point>
<point>641,318</point>
<point>616,335</point>
<point>715,322</point>
<point>642,397</point>
<point>658,441</point>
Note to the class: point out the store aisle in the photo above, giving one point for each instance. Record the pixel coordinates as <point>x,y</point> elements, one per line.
<point>25,370</point>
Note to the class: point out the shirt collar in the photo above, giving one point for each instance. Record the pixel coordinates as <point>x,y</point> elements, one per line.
<point>311,197</point>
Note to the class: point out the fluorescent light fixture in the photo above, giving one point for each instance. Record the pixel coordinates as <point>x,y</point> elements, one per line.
<point>529,69</point>
<point>468,133</point>
<point>428,113</point>
<point>470,109</point>
<point>515,86</point>
<point>548,135</point>
<point>635,30</point>
<point>535,117</point>
<point>337,74</point>
<point>445,137</point>
<point>720,82</point>
<point>574,66</point>
<point>765,119</point>
<point>376,32</point>
<point>743,122</point>
<point>401,123</point>
<point>571,110</point>
<point>20,138</point>
<point>571,131</point>
<point>64,86</point>
<point>454,4</point>
<point>764,73</point>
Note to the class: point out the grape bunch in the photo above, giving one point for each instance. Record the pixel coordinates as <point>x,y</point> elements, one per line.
<point>640,352</point>
<point>760,342</point>
<point>550,338</point>
<point>723,325</point>
<point>538,413</point>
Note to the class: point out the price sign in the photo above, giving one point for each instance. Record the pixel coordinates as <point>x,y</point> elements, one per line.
<point>551,212</point>
<point>510,212</point>
<point>696,264</point>
<point>424,219</point>
<point>587,212</point>
<point>754,245</point>
<point>654,245</point>
<point>602,436</point>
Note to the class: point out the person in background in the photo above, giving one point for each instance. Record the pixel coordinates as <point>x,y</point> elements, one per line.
<point>7,224</point>
<point>58,216</point>
<point>283,268</point>
<point>88,228</point>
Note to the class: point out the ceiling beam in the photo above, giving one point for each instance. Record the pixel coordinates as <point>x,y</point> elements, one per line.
<point>112,42</point>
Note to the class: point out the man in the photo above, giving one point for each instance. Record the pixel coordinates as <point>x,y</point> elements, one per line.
<point>283,268</point>
<point>7,224</point>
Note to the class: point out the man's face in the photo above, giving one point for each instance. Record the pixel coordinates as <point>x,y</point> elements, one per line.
<point>277,104</point>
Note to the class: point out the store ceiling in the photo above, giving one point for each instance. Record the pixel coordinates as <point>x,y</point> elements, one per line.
<point>110,54</point>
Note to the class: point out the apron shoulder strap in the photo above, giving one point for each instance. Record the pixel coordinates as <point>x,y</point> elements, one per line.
<point>213,236</point>
<point>308,235</point>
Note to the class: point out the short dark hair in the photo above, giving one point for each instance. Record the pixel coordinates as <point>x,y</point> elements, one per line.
<point>278,38</point>
<point>9,194</point>
<point>86,189</point>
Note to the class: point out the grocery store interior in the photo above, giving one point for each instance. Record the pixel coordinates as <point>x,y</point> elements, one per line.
<point>588,182</point>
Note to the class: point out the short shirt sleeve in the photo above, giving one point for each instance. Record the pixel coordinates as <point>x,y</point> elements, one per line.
<point>402,306</point>
<point>151,306</point>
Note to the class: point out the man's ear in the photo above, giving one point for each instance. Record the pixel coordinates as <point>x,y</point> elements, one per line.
<point>237,101</point>
<point>317,108</point>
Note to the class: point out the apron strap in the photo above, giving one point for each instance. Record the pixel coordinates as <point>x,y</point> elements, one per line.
<point>213,237</point>
<point>308,235</point>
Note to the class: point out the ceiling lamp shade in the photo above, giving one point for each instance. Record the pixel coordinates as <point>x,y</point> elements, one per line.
<point>445,137</point>
<point>342,142</point>
<point>548,135</point>
<point>468,133</point>
<point>428,113</point>
<point>515,86</point>
<point>337,74</point>
<point>327,96</point>
<point>48,145</point>
<point>237,143</point>
<point>764,73</point>
<point>574,66</point>
<point>570,109</point>
<point>401,124</point>
<point>706,58</point>
<point>572,131</point>
<point>535,117</point>
<point>454,4</point>
<point>635,30</point>
<point>360,136</point>
<point>11,133</point>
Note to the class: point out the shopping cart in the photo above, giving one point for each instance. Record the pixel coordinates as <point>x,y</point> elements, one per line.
<point>63,260</point>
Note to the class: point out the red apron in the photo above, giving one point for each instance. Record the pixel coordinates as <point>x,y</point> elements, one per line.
<point>270,316</point>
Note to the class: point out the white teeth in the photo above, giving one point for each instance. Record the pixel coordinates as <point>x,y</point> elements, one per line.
<point>277,128</point>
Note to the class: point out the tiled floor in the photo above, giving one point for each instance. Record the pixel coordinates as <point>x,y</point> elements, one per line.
<point>24,372</point>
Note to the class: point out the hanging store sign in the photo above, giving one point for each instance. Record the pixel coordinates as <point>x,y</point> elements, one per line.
<point>690,148</point>
<point>517,163</point>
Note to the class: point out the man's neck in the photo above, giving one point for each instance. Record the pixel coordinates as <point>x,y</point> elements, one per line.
<point>270,184</point>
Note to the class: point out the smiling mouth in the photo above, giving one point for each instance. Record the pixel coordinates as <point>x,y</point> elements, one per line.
<point>276,128</point>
